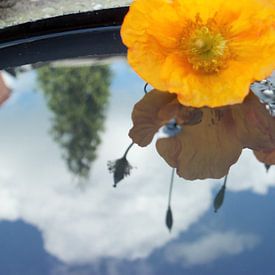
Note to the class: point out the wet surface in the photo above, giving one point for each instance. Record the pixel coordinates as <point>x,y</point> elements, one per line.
<point>61,125</point>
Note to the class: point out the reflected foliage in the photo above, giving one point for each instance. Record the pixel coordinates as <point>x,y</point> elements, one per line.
<point>78,97</point>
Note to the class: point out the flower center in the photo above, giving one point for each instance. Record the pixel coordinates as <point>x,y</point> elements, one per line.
<point>205,47</point>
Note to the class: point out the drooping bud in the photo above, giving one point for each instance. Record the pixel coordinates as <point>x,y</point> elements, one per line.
<point>218,201</point>
<point>169,218</point>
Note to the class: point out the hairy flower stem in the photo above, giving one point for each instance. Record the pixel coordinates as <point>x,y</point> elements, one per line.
<point>171,187</point>
<point>128,149</point>
<point>169,214</point>
<point>225,180</point>
<point>145,88</point>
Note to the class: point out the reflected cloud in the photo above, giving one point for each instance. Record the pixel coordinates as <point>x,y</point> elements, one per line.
<point>211,247</point>
<point>125,223</point>
<point>250,174</point>
<point>39,190</point>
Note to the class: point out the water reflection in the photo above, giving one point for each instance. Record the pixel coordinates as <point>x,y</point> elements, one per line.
<point>78,98</point>
<point>123,230</point>
<point>211,247</point>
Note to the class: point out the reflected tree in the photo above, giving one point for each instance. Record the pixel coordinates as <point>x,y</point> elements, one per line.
<point>77,97</point>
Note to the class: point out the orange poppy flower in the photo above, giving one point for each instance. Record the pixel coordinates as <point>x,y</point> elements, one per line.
<point>206,52</point>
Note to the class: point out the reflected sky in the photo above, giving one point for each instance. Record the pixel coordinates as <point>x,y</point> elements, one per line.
<point>96,229</point>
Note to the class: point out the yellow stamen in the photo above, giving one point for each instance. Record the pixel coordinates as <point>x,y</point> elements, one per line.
<point>207,50</point>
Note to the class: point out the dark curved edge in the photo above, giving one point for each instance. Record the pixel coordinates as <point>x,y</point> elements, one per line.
<point>83,34</point>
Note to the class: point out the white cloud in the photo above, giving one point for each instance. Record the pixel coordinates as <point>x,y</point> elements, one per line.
<point>211,247</point>
<point>81,226</point>
<point>250,174</point>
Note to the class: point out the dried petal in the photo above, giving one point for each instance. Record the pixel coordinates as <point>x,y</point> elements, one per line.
<point>145,116</point>
<point>155,110</point>
<point>254,126</point>
<point>209,140</point>
<point>205,150</point>
<point>266,157</point>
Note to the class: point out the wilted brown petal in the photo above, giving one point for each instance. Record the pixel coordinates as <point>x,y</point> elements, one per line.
<point>266,157</point>
<point>211,139</point>
<point>146,118</point>
<point>255,127</point>
<point>205,150</point>
<point>156,109</point>
<point>183,115</point>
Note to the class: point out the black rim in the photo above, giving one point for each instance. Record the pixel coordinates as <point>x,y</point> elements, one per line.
<point>84,34</point>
